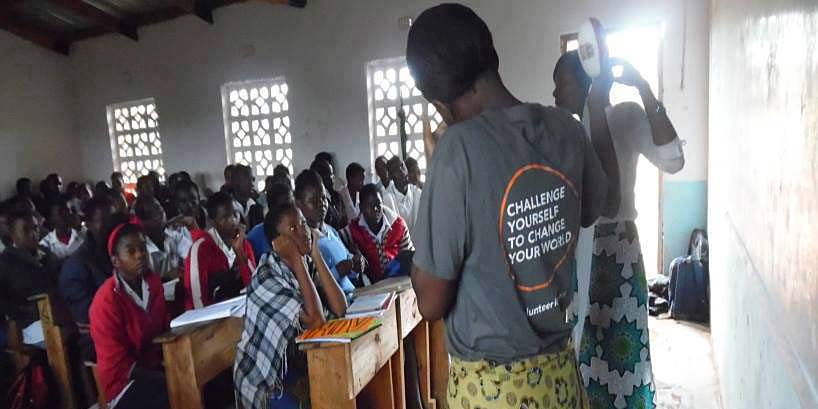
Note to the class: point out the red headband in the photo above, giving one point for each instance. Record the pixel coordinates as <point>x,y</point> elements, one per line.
<point>112,238</point>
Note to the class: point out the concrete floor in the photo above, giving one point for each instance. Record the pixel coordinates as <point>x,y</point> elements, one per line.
<point>683,365</point>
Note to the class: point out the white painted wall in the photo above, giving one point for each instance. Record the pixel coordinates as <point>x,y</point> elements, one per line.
<point>36,124</point>
<point>323,49</point>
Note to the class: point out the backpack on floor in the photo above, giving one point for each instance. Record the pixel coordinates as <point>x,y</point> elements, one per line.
<point>689,288</point>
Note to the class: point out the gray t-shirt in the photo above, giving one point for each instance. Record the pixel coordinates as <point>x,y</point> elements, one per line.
<point>506,194</point>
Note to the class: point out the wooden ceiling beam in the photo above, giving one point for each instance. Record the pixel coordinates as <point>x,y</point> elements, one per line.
<point>43,38</point>
<point>100,17</point>
<point>200,8</point>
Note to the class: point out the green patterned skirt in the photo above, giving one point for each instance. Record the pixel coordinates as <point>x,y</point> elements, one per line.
<point>614,355</point>
<point>540,382</point>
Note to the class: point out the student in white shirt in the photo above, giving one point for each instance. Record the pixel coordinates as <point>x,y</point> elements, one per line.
<point>167,244</point>
<point>351,189</point>
<point>382,179</point>
<point>62,240</point>
<point>402,196</point>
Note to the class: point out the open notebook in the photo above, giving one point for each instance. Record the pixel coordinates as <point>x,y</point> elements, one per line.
<point>233,307</point>
<point>371,305</point>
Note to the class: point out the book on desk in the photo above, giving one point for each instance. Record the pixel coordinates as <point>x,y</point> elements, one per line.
<point>234,307</point>
<point>362,316</point>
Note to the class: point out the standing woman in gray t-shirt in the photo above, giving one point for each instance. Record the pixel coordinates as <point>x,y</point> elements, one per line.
<point>614,355</point>
<point>509,185</point>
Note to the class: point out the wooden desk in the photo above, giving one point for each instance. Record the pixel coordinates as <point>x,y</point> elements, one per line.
<point>194,355</point>
<point>343,375</point>
<point>56,330</point>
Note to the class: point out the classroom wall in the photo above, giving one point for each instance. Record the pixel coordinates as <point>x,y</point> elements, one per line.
<point>322,50</point>
<point>36,124</point>
<point>764,202</point>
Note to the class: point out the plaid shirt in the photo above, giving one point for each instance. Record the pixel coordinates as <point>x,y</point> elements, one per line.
<point>271,323</point>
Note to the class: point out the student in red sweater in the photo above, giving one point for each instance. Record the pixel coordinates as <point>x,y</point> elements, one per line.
<point>378,233</point>
<point>127,313</point>
<point>221,260</point>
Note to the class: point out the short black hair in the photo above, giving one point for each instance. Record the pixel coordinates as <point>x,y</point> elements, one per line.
<point>186,185</point>
<point>410,161</point>
<point>56,202</point>
<point>95,204</point>
<point>21,185</point>
<point>306,179</point>
<point>219,199</point>
<point>140,206</point>
<point>448,49</point>
<point>368,190</point>
<point>276,192</point>
<point>353,168</point>
<point>325,156</point>
<point>281,169</point>
<point>571,60</point>
<point>273,217</point>
<point>18,214</point>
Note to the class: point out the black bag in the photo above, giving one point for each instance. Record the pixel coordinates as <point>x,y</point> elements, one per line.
<point>689,289</point>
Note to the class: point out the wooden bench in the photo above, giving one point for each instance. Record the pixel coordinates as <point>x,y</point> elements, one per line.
<point>102,400</point>
<point>342,376</point>
<point>196,354</point>
<point>56,330</point>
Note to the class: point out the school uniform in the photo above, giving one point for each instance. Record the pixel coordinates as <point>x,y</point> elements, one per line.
<point>63,249</point>
<point>168,258</point>
<point>258,239</point>
<point>210,265</point>
<point>379,248</point>
<point>406,205</point>
<point>123,326</point>
<point>333,251</point>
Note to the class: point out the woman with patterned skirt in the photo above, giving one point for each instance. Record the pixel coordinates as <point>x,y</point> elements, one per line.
<point>614,353</point>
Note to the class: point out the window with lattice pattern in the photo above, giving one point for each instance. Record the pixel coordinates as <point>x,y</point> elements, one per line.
<point>394,99</point>
<point>136,146</point>
<point>257,125</point>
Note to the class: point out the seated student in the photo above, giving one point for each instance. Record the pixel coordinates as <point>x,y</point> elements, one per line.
<point>382,178</point>
<point>242,181</point>
<point>378,233</point>
<point>63,240</point>
<point>25,270</point>
<point>414,172</point>
<point>311,198</point>
<point>84,271</point>
<point>167,243</point>
<point>281,174</point>
<point>118,186</point>
<point>402,196</point>
<point>356,176</point>
<point>277,195</point>
<point>145,187</point>
<point>221,260</point>
<point>292,290</point>
<point>187,201</point>
<point>127,313</point>
<point>336,215</point>
<point>227,187</point>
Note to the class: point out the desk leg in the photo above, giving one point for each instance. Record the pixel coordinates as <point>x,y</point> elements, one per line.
<point>183,388</point>
<point>379,393</point>
<point>420,336</point>
<point>439,362</point>
<point>399,385</point>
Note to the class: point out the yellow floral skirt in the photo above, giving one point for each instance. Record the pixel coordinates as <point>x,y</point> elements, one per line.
<point>540,382</point>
